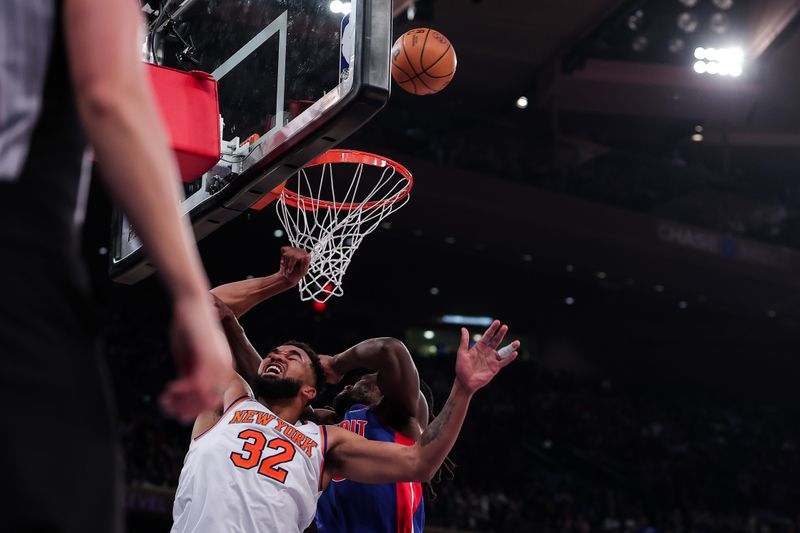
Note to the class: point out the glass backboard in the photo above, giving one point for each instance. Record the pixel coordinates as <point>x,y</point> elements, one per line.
<point>301,74</point>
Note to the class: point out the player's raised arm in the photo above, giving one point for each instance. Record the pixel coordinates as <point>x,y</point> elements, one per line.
<point>241,296</point>
<point>380,462</point>
<point>245,357</point>
<point>398,379</point>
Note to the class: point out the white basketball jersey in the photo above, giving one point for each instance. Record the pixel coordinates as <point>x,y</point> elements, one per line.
<point>251,473</point>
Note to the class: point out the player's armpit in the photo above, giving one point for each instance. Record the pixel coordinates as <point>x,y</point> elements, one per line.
<point>352,456</point>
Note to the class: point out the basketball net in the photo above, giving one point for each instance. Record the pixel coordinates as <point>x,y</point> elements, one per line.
<point>328,216</point>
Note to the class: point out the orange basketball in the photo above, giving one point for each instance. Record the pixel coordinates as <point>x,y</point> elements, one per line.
<point>423,61</point>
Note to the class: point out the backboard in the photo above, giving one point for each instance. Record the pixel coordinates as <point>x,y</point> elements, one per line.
<point>302,74</point>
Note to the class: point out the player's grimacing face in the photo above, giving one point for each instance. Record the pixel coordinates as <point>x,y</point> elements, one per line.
<point>287,361</point>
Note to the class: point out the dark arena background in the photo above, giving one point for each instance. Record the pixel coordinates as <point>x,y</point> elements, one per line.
<point>632,213</point>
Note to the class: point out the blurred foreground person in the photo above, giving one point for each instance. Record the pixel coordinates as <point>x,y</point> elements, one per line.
<point>70,76</point>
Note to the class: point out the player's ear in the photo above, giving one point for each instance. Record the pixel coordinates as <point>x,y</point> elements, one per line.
<point>310,393</point>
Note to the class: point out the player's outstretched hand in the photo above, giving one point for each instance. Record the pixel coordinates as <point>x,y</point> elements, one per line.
<point>476,366</point>
<point>294,264</point>
<point>332,376</point>
<point>202,358</point>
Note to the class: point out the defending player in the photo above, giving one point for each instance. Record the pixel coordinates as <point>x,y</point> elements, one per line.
<point>383,406</point>
<point>260,468</point>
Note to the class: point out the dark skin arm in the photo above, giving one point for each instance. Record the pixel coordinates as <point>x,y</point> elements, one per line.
<point>245,357</point>
<point>398,379</point>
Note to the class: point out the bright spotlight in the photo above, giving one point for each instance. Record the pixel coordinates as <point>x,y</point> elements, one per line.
<point>700,53</point>
<point>337,6</point>
<point>347,7</point>
<point>721,61</point>
<point>522,102</point>
<point>428,334</point>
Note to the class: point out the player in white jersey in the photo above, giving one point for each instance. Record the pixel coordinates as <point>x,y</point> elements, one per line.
<point>260,468</point>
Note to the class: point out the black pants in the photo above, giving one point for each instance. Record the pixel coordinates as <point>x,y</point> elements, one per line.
<point>60,459</point>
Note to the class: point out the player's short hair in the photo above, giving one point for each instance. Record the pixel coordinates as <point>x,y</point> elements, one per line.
<point>319,374</point>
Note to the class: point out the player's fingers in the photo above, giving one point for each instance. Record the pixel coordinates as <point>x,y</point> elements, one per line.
<point>291,261</point>
<point>464,339</point>
<point>506,350</point>
<point>489,333</point>
<point>508,360</point>
<point>498,337</point>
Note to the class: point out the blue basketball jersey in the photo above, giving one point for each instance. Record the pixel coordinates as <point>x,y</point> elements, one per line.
<point>350,507</point>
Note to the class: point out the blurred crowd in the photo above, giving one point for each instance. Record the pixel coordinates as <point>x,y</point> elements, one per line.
<point>551,452</point>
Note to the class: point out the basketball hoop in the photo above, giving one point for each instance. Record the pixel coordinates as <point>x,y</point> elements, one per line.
<point>329,217</point>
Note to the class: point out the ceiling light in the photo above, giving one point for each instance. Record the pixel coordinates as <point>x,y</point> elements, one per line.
<point>428,334</point>
<point>278,233</point>
<point>688,22</point>
<point>639,43</point>
<point>771,313</point>
<point>601,275</point>
<point>522,102</point>
<point>434,291</point>
<point>689,3</point>
<point>337,6</point>
<point>697,137</point>
<point>676,44</point>
<point>723,4</point>
<point>570,268</point>
<point>698,129</point>
<point>700,52</point>
<point>719,23</point>
<point>635,21</point>
<point>463,320</point>
<point>569,300</point>
<point>712,67</point>
<point>700,67</point>
<point>682,305</point>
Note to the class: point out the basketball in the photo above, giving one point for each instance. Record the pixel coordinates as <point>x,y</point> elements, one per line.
<point>423,61</point>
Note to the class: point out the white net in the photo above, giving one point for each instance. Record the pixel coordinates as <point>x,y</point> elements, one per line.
<point>329,216</point>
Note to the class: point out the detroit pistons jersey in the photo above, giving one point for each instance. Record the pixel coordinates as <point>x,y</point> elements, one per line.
<point>350,507</point>
<point>251,472</point>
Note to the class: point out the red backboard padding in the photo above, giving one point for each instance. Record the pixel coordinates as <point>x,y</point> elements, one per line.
<point>190,110</point>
